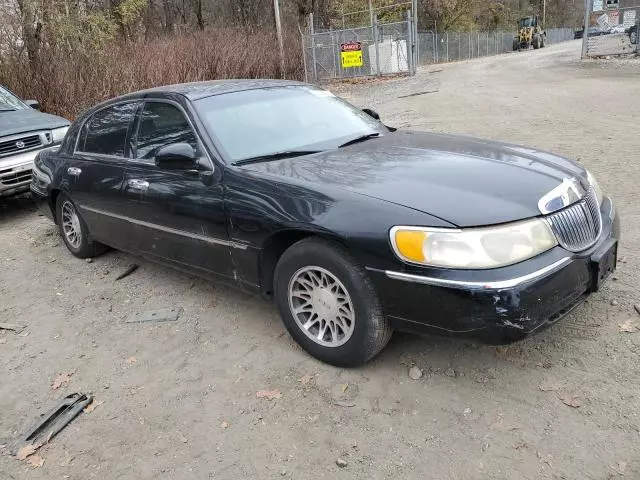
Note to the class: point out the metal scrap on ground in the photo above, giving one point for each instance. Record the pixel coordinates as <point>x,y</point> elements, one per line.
<point>12,327</point>
<point>160,315</point>
<point>132,268</point>
<point>49,424</point>
<point>418,93</point>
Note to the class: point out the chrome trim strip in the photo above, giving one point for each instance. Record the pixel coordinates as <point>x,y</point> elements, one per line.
<point>212,240</point>
<point>492,285</point>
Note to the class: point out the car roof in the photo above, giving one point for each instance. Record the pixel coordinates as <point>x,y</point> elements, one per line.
<point>198,90</point>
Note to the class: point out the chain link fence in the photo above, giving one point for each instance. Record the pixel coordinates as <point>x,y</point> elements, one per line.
<point>394,48</point>
<point>611,32</point>
<point>454,46</point>
<point>381,49</point>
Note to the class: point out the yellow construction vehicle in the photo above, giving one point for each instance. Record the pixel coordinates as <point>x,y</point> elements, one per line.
<point>530,34</point>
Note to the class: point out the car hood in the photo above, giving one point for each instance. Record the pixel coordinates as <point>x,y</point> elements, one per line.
<point>463,180</point>
<point>28,120</point>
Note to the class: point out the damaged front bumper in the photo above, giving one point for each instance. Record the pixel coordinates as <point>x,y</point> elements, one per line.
<point>499,305</point>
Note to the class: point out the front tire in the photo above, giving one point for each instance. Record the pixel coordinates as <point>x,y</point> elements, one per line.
<point>74,231</point>
<point>329,305</point>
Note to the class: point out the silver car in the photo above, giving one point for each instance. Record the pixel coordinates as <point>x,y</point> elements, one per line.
<point>24,131</point>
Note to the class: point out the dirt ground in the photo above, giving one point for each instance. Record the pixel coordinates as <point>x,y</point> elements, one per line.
<point>179,398</point>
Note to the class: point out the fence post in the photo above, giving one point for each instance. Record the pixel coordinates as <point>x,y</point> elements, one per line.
<point>304,58</point>
<point>410,64</point>
<point>459,48</point>
<point>433,44</point>
<point>333,54</point>
<point>447,50</point>
<point>313,47</point>
<point>585,35</point>
<point>469,45</point>
<point>375,41</point>
<point>414,9</point>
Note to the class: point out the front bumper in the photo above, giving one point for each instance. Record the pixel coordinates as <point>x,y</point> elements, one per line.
<point>499,305</point>
<point>16,173</point>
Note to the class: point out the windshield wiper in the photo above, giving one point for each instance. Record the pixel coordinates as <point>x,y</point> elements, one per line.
<point>7,109</point>
<point>361,138</point>
<point>276,156</point>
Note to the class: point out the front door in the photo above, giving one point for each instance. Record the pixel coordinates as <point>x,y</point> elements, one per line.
<point>179,213</point>
<point>95,173</point>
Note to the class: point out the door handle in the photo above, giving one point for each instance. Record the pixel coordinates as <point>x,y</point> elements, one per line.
<point>74,171</point>
<point>136,184</point>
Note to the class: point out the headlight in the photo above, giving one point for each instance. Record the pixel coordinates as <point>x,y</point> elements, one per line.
<point>486,247</point>
<point>57,134</point>
<point>594,183</point>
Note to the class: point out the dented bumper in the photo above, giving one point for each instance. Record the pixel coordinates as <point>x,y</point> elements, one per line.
<point>499,305</point>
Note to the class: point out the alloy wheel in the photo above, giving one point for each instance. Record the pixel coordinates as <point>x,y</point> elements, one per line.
<point>71,225</point>
<point>321,306</point>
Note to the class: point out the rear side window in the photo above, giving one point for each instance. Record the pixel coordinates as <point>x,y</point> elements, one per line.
<point>162,124</point>
<point>105,133</point>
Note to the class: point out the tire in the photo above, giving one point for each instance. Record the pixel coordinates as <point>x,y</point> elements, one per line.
<point>536,42</point>
<point>633,37</point>
<point>79,242</point>
<point>335,273</point>
<point>543,42</point>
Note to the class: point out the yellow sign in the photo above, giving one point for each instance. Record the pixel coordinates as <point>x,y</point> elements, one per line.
<point>351,54</point>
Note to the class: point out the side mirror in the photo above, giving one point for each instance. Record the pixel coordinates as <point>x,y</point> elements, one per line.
<point>371,113</point>
<point>33,104</point>
<point>176,156</point>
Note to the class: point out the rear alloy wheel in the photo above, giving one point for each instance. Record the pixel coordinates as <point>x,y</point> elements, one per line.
<point>633,37</point>
<point>74,230</point>
<point>328,304</point>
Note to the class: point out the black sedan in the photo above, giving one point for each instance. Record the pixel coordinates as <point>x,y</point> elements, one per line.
<point>355,229</point>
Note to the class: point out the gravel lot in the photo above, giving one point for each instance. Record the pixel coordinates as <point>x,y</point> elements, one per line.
<point>179,398</point>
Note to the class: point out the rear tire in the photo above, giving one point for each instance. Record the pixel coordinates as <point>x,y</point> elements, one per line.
<point>74,231</point>
<point>536,42</point>
<point>329,305</point>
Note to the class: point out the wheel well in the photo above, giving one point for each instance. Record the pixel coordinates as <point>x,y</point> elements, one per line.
<point>275,246</point>
<point>53,198</point>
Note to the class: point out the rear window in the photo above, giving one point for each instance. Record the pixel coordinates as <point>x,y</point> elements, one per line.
<point>105,133</point>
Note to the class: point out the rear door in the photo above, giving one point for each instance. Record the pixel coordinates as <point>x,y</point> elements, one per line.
<point>180,214</point>
<point>95,173</point>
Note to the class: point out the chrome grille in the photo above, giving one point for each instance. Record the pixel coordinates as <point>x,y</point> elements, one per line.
<point>12,177</point>
<point>19,144</point>
<point>578,226</point>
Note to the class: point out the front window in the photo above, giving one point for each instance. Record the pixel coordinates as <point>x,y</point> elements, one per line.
<point>161,124</point>
<point>8,101</point>
<point>260,122</point>
<point>527,22</point>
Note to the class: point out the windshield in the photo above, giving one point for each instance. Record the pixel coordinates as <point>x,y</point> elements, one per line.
<point>254,123</point>
<point>9,101</point>
<point>526,22</point>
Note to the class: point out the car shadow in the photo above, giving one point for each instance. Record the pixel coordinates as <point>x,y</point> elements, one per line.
<point>434,354</point>
<point>16,207</point>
